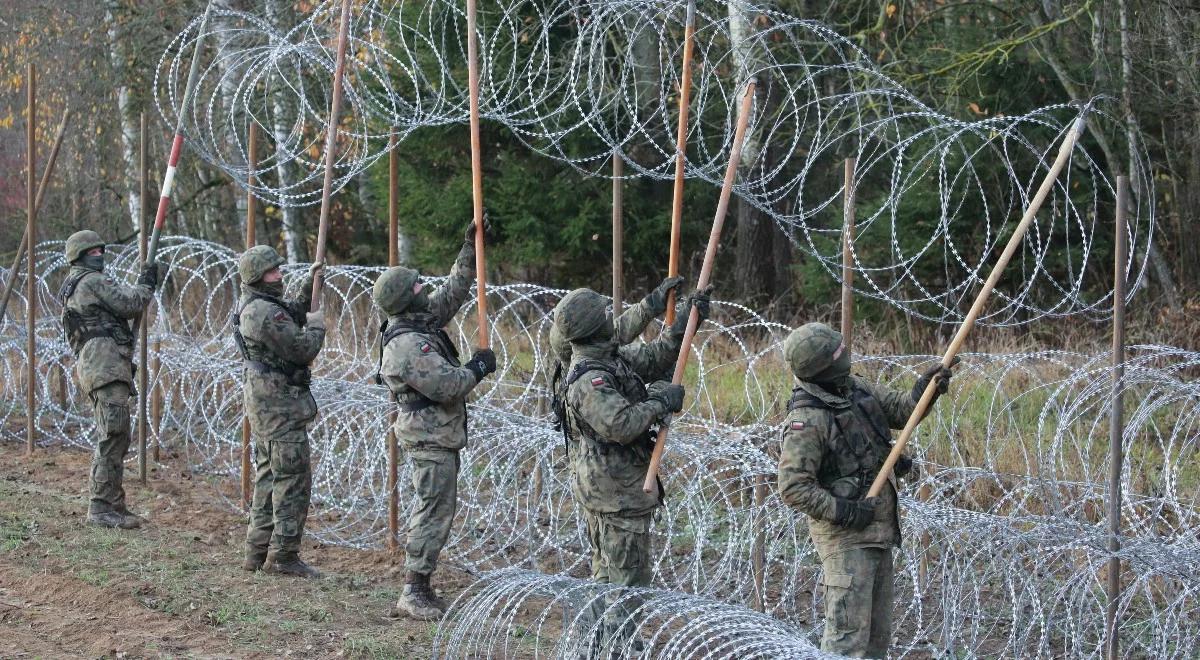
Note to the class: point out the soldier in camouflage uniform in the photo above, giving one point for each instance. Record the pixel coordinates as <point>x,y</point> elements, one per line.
<point>278,339</point>
<point>611,417</point>
<point>420,366</point>
<point>835,440</point>
<point>96,314</point>
<point>626,328</point>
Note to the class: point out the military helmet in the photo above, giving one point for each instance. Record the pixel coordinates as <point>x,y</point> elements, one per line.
<point>580,314</point>
<point>393,291</point>
<point>255,262</point>
<point>80,242</point>
<point>812,348</point>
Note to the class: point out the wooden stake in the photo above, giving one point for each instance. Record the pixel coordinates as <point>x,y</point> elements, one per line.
<point>156,397</point>
<point>251,241</point>
<point>758,553</point>
<point>714,238</point>
<point>618,234</point>
<point>1116,420</point>
<point>685,96</point>
<point>848,255</point>
<point>30,265</point>
<point>335,111</point>
<point>393,450</point>
<point>1064,154</point>
<point>477,172</point>
<point>143,371</point>
<point>37,205</point>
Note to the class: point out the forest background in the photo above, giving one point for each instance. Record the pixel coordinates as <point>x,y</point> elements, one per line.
<point>968,59</point>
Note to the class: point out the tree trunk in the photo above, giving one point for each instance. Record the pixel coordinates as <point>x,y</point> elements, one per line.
<point>295,247</point>
<point>127,122</point>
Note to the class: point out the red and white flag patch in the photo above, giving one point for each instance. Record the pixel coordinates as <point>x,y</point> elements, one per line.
<point>426,347</point>
<point>797,426</point>
<point>597,381</point>
<point>281,316</point>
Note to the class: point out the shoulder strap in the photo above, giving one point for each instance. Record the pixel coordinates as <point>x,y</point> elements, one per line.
<point>859,397</point>
<point>802,399</point>
<point>585,366</point>
<point>70,284</point>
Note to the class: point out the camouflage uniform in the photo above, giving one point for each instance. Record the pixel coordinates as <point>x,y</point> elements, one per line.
<point>835,439</point>
<point>421,367</point>
<point>96,314</point>
<point>610,415</point>
<point>278,344</point>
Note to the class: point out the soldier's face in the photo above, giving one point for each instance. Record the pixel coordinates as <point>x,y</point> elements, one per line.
<point>95,252</point>
<point>417,286</point>
<point>272,276</point>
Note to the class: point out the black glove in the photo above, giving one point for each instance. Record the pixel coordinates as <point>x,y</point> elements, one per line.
<point>656,300</point>
<point>469,232</point>
<point>149,276</point>
<point>482,363</point>
<point>943,381</point>
<point>670,394</point>
<point>855,514</point>
<point>904,467</point>
<point>700,300</point>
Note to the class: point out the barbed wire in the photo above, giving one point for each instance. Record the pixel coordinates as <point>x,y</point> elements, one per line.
<point>1005,536</point>
<point>581,80</point>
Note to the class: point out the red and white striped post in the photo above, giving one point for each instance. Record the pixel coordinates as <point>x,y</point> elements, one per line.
<point>164,199</point>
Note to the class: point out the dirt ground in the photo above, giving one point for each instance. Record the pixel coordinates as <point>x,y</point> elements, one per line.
<point>175,587</point>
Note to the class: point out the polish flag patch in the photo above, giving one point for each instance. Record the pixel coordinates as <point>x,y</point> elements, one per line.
<point>597,381</point>
<point>797,426</point>
<point>425,347</point>
<point>281,316</point>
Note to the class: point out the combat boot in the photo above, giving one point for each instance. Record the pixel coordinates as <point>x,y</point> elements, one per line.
<point>254,560</point>
<point>111,519</point>
<point>417,600</point>
<point>132,520</point>
<point>293,566</point>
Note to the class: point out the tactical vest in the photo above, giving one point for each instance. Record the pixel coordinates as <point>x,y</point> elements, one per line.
<point>94,322</point>
<point>628,383</point>
<point>413,401</point>
<point>860,446</point>
<point>263,360</point>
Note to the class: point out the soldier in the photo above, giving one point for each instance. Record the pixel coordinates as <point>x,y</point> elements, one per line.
<point>626,328</point>
<point>96,315</point>
<point>835,440</point>
<point>420,366</point>
<point>278,340</point>
<point>611,418</point>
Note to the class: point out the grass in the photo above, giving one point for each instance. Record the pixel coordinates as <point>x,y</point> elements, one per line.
<point>363,645</point>
<point>15,530</point>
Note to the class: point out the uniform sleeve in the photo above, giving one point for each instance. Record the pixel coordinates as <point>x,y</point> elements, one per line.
<point>449,298</point>
<point>897,405</point>
<point>610,414</point>
<point>419,366</point>
<point>123,301</point>
<point>274,327</point>
<point>803,448</point>
<point>630,324</point>
<point>656,360</point>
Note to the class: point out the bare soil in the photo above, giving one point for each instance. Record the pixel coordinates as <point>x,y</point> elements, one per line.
<point>175,587</point>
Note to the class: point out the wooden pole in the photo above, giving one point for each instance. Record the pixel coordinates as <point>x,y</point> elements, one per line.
<point>37,205</point>
<point>477,172</point>
<point>618,234</point>
<point>714,238</point>
<point>251,241</point>
<point>1116,421</point>
<point>848,255</point>
<point>143,245</point>
<point>30,266</point>
<point>1064,154</point>
<point>685,96</point>
<point>393,260</point>
<point>758,554</point>
<point>335,111</point>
